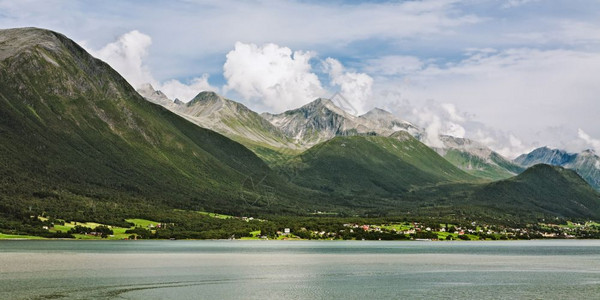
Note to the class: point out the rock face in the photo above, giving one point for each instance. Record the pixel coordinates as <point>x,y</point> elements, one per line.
<point>586,163</point>
<point>545,155</point>
<point>322,120</point>
<point>233,119</point>
<point>316,122</point>
<point>154,96</point>
<point>386,123</point>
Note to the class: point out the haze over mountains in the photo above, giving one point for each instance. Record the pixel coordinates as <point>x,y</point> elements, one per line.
<point>77,140</point>
<point>321,120</point>
<point>586,163</point>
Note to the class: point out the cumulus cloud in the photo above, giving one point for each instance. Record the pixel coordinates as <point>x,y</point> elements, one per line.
<point>277,78</point>
<point>127,56</point>
<point>517,3</point>
<point>436,119</point>
<point>273,76</point>
<point>521,91</point>
<point>355,87</point>
<point>591,142</point>
<point>393,65</point>
<point>177,90</point>
<point>447,119</point>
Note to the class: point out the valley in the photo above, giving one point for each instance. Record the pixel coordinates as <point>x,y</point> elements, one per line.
<point>79,146</point>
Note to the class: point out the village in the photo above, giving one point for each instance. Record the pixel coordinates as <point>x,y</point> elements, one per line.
<point>423,231</point>
<point>325,229</point>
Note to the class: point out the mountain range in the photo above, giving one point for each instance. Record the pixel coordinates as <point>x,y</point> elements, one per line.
<point>586,163</point>
<point>320,120</point>
<point>78,142</point>
<point>294,131</point>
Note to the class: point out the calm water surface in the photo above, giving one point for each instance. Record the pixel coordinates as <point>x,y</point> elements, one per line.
<point>299,270</point>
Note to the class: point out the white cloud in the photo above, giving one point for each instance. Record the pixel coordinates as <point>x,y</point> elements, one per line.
<point>570,32</point>
<point>446,119</point>
<point>517,3</point>
<point>273,76</point>
<point>437,119</point>
<point>393,65</point>
<point>355,87</point>
<point>517,90</point>
<point>174,89</point>
<point>590,142</point>
<point>128,55</point>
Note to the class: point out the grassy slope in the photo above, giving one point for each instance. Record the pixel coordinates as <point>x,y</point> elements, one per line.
<point>541,189</point>
<point>76,139</point>
<point>371,165</point>
<point>242,125</point>
<point>479,167</point>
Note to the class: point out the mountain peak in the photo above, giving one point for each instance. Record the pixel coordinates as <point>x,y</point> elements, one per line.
<point>320,103</point>
<point>547,171</point>
<point>377,112</point>
<point>18,40</point>
<point>205,96</point>
<point>146,87</point>
<point>555,157</point>
<point>588,152</point>
<point>147,91</point>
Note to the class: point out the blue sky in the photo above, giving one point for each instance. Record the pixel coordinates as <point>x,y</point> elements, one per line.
<point>514,74</point>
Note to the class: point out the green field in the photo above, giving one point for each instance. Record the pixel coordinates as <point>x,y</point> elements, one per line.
<point>19,237</point>
<point>215,215</point>
<point>119,232</point>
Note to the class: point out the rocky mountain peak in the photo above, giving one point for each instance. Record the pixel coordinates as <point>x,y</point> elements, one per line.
<point>205,97</point>
<point>377,112</point>
<point>588,152</point>
<point>147,91</point>
<point>320,105</point>
<point>21,40</point>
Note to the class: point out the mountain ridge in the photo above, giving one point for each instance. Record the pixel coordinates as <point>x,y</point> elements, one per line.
<point>72,127</point>
<point>585,163</point>
<point>78,142</point>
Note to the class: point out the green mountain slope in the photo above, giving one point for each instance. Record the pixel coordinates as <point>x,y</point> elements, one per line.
<point>232,119</point>
<point>371,165</point>
<point>76,139</point>
<point>586,163</point>
<point>544,190</point>
<point>477,159</point>
<point>494,167</point>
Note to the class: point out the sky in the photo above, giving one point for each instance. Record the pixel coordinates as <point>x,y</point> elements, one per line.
<point>512,74</point>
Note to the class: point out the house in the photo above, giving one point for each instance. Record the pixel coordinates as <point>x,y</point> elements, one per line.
<point>286,231</point>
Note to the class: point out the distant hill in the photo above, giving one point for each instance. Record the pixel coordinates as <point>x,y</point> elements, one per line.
<point>369,165</point>
<point>586,163</point>
<point>542,189</point>
<point>477,159</point>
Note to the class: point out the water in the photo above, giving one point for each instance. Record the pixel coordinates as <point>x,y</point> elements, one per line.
<point>299,270</point>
